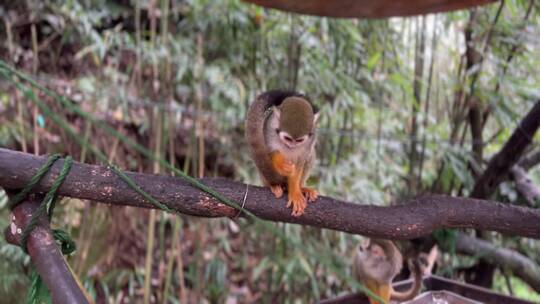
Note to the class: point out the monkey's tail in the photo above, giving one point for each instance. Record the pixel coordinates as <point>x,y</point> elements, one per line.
<point>417,284</point>
<point>256,117</point>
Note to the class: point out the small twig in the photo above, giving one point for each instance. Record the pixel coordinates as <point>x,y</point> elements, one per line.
<point>507,281</point>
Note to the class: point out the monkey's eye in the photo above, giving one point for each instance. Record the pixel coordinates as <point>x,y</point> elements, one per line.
<point>288,138</point>
<point>300,140</point>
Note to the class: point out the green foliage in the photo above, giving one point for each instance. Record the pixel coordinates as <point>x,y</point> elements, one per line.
<point>446,238</point>
<point>12,260</point>
<point>216,281</point>
<point>519,288</point>
<point>38,292</point>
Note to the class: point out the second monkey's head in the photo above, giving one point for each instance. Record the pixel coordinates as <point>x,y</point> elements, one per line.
<point>297,121</point>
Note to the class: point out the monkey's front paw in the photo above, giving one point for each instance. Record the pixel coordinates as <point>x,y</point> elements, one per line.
<point>283,166</point>
<point>310,194</point>
<point>277,190</point>
<point>298,203</point>
<point>286,168</point>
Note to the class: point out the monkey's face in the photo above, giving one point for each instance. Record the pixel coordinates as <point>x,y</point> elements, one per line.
<point>296,122</point>
<point>291,142</point>
<point>373,262</point>
<point>373,253</point>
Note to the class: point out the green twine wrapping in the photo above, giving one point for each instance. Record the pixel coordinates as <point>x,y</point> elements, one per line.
<point>48,202</point>
<point>15,200</point>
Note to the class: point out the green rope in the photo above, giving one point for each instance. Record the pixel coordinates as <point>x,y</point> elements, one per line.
<point>16,199</point>
<point>139,190</point>
<point>64,240</point>
<point>47,201</point>
<point>38,293</point>
<point>49,198</point>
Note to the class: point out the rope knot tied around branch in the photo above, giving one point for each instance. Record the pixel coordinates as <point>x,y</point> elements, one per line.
<point>47,204</point>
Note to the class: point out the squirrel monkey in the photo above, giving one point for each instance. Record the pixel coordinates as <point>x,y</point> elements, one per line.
<point>376,263</point>
<point>280,130</point>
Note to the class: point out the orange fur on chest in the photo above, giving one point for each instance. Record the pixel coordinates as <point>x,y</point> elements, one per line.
<point>383,291</point>
<point>298,195</point>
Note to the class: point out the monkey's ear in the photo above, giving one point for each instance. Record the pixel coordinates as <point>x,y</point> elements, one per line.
<point>276,111</point>
<point>316,118</point>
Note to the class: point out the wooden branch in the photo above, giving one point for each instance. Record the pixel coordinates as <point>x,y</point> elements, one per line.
<point>414,218</point>
<point>45,254</point>
<point>368,9</point>
<point>525,186</point>
<point>520,265</point>
<point>530,160</point>
<point>499,166</point>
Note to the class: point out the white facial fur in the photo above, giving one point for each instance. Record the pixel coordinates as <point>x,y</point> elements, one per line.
<point>372,262</point>
<point>290,142</point>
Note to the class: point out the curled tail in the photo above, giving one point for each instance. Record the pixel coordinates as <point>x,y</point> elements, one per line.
<point>416,270</point>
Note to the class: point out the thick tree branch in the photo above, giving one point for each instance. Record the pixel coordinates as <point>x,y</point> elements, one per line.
<point>525,186</point>
<point>530,160</point>
<point>417,217</point>
<point>499,166</point>
<point>45,254</point>
<point>519,264</point>
<point>497,171</point>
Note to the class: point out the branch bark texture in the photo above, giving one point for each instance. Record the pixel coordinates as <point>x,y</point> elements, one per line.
<point>530,160</point>
<point>525,186</point>
<point>45,254</point>
<point>499,166</point>
<point>520,265</point>
<point>414,218</point>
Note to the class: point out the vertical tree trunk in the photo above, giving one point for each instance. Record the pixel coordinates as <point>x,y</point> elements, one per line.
<point>417,91</point>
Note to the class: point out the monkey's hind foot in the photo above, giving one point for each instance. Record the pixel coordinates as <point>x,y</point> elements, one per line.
<point>310,194</point>
<point>298,203</point>
<point>277,190</point>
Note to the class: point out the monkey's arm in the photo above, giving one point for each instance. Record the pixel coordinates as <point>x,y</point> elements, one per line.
<point>296,198</point>
<point>309,193</point>
<point>281,165</point>
<point>294,176</point>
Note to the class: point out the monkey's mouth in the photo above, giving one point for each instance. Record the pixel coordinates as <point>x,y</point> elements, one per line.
<point>290,145</point>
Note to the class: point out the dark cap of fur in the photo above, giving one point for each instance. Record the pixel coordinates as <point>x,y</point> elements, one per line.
<point>296,116</point>
<point>276,98</point>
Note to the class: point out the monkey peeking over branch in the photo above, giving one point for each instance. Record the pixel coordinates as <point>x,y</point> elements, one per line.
<point>378,261</point>
<point>280,130</point>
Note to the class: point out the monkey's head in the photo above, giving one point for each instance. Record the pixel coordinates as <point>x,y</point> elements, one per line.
<point>297,121</point>
<point>378,259</point>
